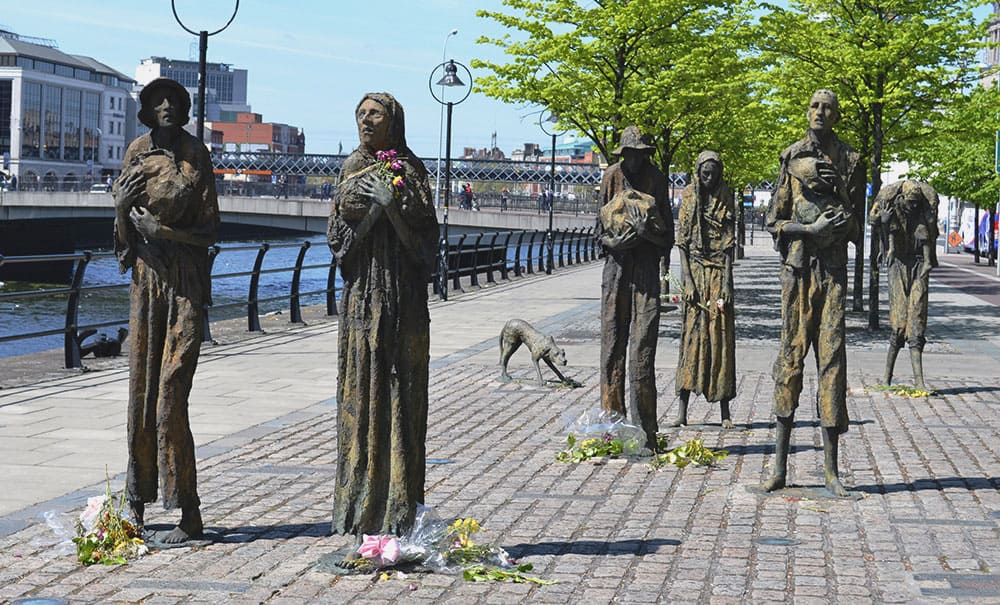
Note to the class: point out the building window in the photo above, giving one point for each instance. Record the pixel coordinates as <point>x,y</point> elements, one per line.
<point>111,152</point>
<point>6,105</point>
<point>91,118</point>
<point>52,133</point>
<point>71,124</point>
<point>31,119</point>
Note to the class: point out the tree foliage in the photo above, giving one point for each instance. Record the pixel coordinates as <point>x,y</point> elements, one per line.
<point>673,67</point>
<point>892,63</point>
<point>957,156</point>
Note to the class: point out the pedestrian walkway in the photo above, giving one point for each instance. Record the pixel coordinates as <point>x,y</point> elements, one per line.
<point>924,529</point>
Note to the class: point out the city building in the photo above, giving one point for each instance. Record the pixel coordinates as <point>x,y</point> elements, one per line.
<point>991,55</point>
<point>64,119</point>
<point>225,86</point>
<point>249,132</point>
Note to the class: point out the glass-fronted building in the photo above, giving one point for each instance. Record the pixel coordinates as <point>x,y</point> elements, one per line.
<point>64,119</point>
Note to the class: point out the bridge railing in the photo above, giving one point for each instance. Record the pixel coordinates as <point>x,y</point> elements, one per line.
<point>471,258</point>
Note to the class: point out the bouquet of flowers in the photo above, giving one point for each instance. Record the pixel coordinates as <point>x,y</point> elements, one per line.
<point>597,433</point>
<point>388,167</point>
<point>104,535</point>
<point>443,548</point>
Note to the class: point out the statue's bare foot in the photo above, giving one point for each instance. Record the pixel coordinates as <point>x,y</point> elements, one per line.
<point>679,421</point>
<point>836,488</point>
<point>189,528</point>
<point>774,483</point>
<point>505,378</point>
<point>727,423</point>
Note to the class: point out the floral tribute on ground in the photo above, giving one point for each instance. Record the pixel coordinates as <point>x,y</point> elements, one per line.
<point>104,535</point>
<point>434,546</point>
<point>600,433</point>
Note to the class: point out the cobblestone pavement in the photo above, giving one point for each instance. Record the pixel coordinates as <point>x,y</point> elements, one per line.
<point>924,527</point>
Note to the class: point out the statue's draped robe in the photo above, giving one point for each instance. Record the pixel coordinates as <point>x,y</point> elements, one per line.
<point>170,287</point>
<point>384,354</point>
<point>706,233</point>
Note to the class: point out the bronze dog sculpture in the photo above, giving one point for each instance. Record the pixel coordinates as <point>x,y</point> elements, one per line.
<point>542,347</point>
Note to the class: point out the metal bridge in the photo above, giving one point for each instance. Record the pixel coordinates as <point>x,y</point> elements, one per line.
<point>499,171</point>
<point>505,171</point>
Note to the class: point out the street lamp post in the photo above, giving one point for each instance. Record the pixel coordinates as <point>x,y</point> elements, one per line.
<point>437,178</point>
<point>552,119</point>
<point>202,55</point>
<point>450,80</point>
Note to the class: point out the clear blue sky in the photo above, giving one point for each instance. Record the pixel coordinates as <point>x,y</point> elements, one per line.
<point>309,61</point>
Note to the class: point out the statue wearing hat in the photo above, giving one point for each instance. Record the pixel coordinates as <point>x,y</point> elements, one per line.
<point>635,228</point>
<point>166,217</point>
<point>818,206</point>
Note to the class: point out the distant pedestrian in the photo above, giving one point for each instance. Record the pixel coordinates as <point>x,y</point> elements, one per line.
<point>504,197</point>
<point>108,184</point>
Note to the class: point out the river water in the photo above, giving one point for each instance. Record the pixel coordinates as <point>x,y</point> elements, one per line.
<point>111,304</point>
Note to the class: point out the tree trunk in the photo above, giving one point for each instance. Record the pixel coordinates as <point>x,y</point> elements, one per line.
<point>876,181</point>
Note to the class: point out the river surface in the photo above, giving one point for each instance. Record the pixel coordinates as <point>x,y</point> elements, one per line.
<point>111,304</point>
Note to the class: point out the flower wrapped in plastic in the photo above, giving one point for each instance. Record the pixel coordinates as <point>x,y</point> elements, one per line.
<point>434,545</point>
<point>598,433</point>
<point>103,533</point>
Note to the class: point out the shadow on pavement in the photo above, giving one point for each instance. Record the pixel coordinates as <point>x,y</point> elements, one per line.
<point>967,390</point>
<point>590,547</point>
<point>251,533</point>
<point>798,424</point>
<point>970,483</point>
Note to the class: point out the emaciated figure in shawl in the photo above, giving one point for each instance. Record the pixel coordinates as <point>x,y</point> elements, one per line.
<point>383,232</point>
<point>706,240</point>
<point>166,217</point>
<point>904,215</point>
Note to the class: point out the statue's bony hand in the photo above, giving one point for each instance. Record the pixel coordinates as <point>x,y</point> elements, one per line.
<point>130,188</point>
<point>830,219</point>
<point>637,221</point>
<point>376,190</point>
<point>145,223</point>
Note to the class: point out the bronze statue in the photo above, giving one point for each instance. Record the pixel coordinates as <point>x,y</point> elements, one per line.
<point>636,229</point>
<point>706,238</point>
<point>383,233</point>
<point>541,346</point>
<point>818,206</point>
<point>166,217</point>
<point>904,216</point>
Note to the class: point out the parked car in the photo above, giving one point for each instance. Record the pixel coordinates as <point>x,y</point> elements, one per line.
<point>99,188</point>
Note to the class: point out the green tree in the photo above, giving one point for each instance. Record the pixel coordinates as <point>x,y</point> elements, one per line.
<point>957,157</point>
<point>673,67</point>
<point>892,62</point>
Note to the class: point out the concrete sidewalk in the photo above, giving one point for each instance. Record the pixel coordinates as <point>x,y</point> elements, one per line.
<point>924,529</point>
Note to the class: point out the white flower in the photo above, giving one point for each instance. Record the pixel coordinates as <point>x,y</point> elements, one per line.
<point>89,516</point>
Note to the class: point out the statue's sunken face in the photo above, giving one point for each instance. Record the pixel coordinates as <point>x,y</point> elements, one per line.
<point>709,174</point>
<point>373,125</point>
<point>823,112</point>
<point>165,105</point>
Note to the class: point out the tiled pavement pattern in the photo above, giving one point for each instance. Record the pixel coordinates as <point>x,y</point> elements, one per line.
<point>924,529</point>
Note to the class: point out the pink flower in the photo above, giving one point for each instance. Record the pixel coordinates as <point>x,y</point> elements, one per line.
<point>383,550</point>
<point>395,166</point>
<point>381,156</point>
